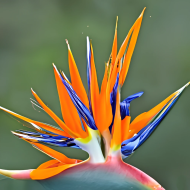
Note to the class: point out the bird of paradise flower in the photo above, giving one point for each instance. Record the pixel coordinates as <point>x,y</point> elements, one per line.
<point>91,119</point>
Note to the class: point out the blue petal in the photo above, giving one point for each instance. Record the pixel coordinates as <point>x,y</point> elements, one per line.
<point>81,108</point>
<point>113,100</point>
<point>89,72</point>
<point>130,145</point>
<point>124,106</point>
<point>58,140</point>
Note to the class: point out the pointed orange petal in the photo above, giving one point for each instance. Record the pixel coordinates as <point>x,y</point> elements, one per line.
<point>114,46</point>
<point>40,174</point>
<point>42,125</point>
<point>139,117</point>
<point>104,116</point>
<point>121,52</point>
<point>69,111</point>
<point>113,75</point>
<point>48,164</point>
<point>44,173</point>
<point>76,79</point>
<point>53,163</point>
<point>143,119</point>
<point>53,153</point>
<point>54,116</point>
<point>125,43</point>
<point>130,49</point>
<point>104,81</point>
<point>94,88</point>
<point>125,128</point>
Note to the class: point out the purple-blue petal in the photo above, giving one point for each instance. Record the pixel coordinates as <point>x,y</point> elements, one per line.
<point>58,140</point>
<point>81,108</point>
<point>88,59</point>
<point>125,104</point>
<point>113,100</point>
<point>130,145</point>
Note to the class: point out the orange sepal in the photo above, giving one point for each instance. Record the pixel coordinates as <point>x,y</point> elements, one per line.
<point>143,119</point>
<point>55,117</point>
<point>76,79</point>
<point>42,125</point>
<point>49,164</point>
<point>40,174</point>
<point>114,47</point>
<point>94,88</point>
<point>104,116</point>
<point>69,111</point>
<point>121,52</point>
<point>53,163</point>
<point>125,128</point>
<point>51,168</point>
<point>127,59</point>
<point>53,153</point>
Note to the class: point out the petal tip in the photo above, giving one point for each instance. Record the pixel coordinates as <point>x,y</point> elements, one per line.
<point>67,42</point>
<point>33,91</point>
<point>55,68</point>
<point>142,13</point>
<point>116,22</point>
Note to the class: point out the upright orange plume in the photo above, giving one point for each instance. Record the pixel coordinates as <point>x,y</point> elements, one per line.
<point>53,153</point>
<point>125,123</point>
<point>37,123</point>
<point>114,46</point>
<point>104,116</point>
<point>40,174</point>
<point>54,116</point>
<point>131,47</point>
<point>76,79</point>
<point>117,66</point>
<point>94,88</point>
<point>68,109</point>
<point>143,119</point>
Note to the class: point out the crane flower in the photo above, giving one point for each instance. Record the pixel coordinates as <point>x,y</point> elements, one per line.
<point>90,120</point>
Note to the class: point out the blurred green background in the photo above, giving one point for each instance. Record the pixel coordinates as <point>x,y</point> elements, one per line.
<point>32,37</point>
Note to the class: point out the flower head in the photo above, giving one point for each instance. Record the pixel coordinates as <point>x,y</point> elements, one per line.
<point>89,119</point>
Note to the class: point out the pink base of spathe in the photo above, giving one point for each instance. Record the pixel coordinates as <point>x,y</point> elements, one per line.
<point>25,174</point>
<point>114,165</point>
<point>86,171</point>
<point>117,165</point>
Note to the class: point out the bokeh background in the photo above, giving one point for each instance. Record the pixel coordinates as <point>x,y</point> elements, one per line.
<point>32,37</point>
